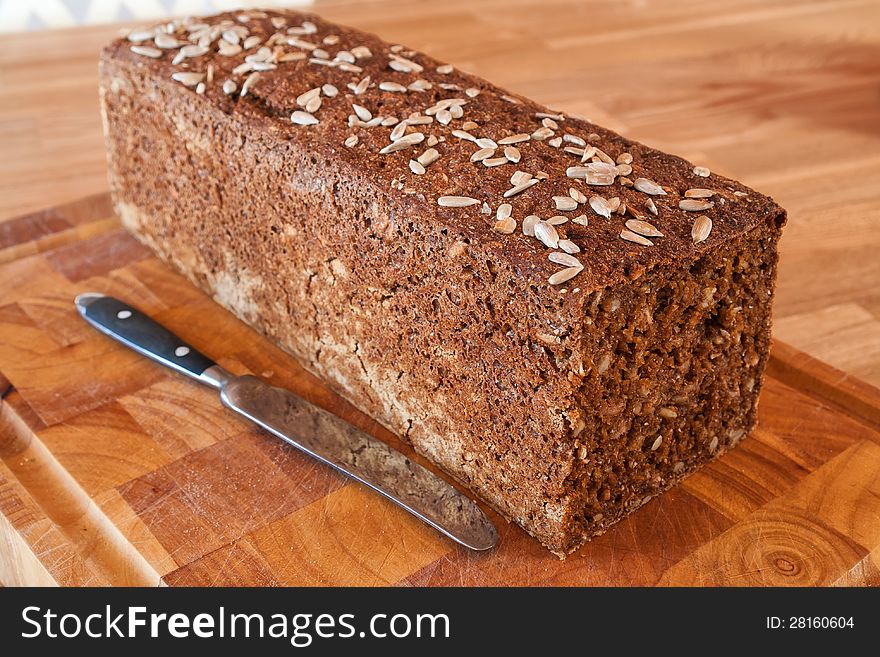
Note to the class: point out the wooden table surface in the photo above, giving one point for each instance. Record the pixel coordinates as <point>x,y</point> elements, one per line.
<point>781,94</point>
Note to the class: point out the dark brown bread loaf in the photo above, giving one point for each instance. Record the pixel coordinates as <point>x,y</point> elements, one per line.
<point>348,199</point>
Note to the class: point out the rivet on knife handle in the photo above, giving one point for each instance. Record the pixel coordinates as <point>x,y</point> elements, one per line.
<point>324,436</point>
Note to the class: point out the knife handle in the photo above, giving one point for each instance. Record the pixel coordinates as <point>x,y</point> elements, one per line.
<point>134,329</point>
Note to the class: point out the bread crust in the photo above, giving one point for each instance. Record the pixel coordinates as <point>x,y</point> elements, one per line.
<point>427,317</point>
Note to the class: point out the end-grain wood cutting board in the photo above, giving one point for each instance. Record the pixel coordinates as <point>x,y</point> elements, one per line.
<point>116,471</point>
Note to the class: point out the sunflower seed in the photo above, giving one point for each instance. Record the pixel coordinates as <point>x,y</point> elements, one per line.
<point>251,42</point>
<point>462,134</point>
<point>361,86</point>
<point>187,78</point>
<point>614,204</point>
<point>505,226</point>
<point>166,41</point>
<point>564,259</point>
<point>444,116</point>
<point>557,220</point>
<point>624,169</point>
<point>193,50</point>
<point>573,150</point>
<point>444,69</point>
<point>602,155</point>
<point>581,220</point>
<point>351,141</point>
<point>651,206</point>
<point>472,92</point>
<point>511,99</point>
<point>569,247</point>
<point>643,228</point>
<point>286,57</point>
<point>362,112</point>
<point>417,119</point>
<point>146,51</point>
<point>649,187</point>
<point>392,86</point>
<point>299,117</point>
<point>594,173</point>
<point>701,229</point>
<point>589,152</point>
<point>456,201</point>
<point>398,132</point>
<point>542,133</point>
<point>314,105</point>
<point>420,85</point>
<point>630,236</point>
<point>512,153</point>
<point>577,195</point>
<point>361,52</point>
<point>494,161</point>
<point>469,125</point>
<point>695,204</point>
<point>250,81</point>
<point>699,192</point>
<point>329,90</point>
<point>573,139</point>
<point>556,142</point>
<point>514,139</point>
<point>547,122</point>
<point>416,167</point>
<point>703,172</point>
<point>485,142</point>
<point>656,444</point>
<point>565,203</point>
<point>624,158</point>
<point>600,206</point>
<point>528,225</point>
<point>303,99</point>
<point>231,37</point>
<point>516,189</point>
<point>564,275</point>
<point>404,142</point>
<point>546,234</point>
<point>403,62</point>
<point>229,87</point>
<point>520,177</point>
<point>482,154</point>
<point>428,157</point>
<point>243,68</point>
<point>344,56</point>
<point>504,211</point>
<point>200,88</point>
<point>139,36</point>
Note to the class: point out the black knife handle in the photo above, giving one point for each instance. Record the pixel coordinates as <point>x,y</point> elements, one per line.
<point>134,329</point>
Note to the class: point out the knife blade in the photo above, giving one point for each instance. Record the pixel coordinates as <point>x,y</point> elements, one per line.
<point>316,432</point>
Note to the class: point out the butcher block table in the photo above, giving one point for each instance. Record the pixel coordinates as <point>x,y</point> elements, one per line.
<point>115,471</point>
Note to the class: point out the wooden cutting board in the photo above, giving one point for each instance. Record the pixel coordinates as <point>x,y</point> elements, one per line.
<point>116,471</point>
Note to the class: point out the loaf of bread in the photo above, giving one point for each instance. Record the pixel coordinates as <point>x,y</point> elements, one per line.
<point>566,321</point>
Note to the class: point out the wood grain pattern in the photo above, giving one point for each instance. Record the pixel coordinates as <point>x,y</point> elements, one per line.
<point>778,93</point>
<point>116,471</point>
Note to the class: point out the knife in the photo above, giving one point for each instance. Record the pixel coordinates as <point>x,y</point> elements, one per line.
<point>316,432</point>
